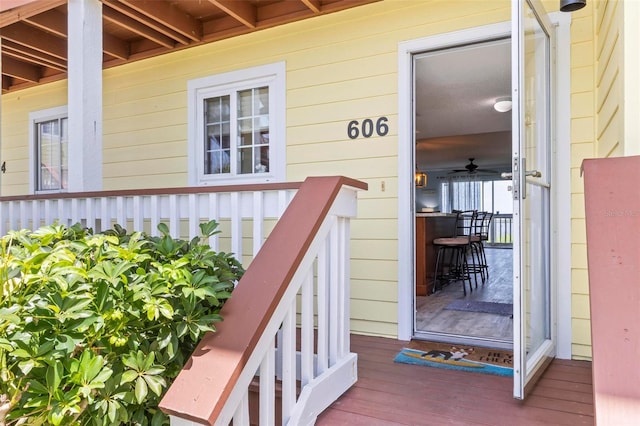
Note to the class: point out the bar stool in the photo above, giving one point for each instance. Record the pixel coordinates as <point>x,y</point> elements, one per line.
<point>481,234</point>
<point>456,247</point>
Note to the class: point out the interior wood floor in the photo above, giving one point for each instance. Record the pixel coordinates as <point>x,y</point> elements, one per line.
<point>431,316</point>
<point>388,393</point>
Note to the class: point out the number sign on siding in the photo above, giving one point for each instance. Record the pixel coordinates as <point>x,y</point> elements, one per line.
<point>367,128</point>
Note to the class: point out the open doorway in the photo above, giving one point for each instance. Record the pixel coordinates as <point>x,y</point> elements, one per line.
<point>462,147</point>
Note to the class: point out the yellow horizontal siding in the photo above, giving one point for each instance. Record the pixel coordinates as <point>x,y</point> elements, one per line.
<point>582,80</point>
<point>371,327</point>
<point>372,168</point>
<point>147,138</point>
<point>579,256</point>
<point>370,148</point>
<point>376,249</point>
<point>582,104</point>
<point>582,129</point>
<point>382,270</point>
<point>580,281</point>
<point>159,179</point>
<point>374,290</point>
<point>581,352</point>
<point>578,231</point>
<point>377,228</point>
<point>386,311</point>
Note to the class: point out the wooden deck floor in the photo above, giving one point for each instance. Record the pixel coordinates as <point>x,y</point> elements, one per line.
<point>389,393</point>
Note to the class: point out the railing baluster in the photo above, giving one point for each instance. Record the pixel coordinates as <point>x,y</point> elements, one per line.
<point>75,212</point>
<point>24,217</point>
<point>306,338</point>
<point>47,211</point>
<point>236,226</point>
<point>12,216</point>
<point>35,214</point>
<point>289,362</point>
<point>105,219</point>
<point>241,416</point>
<point>334,301</point>
<point>258,221</point>
<point>138,213</point>
<point>214,215</point>
<point>174,216</point>
<point>90,213</point>
<point>194,219</point>
<point>267,394</point>
<point>344,237</point>
<point>120,212</point>
<point>155,215</point>
<point>62,216</point>
<point>323,308</point>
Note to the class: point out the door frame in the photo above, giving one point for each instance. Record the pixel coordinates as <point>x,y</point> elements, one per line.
<point>561,233</point>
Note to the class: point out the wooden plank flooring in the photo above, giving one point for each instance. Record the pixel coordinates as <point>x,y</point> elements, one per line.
<point>432,317</point>
<point>389,393</point>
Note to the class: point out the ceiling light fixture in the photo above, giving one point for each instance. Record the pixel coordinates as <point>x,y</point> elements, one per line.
<point>571,5</point>
<point>503,104</point>
<point>420,179</point>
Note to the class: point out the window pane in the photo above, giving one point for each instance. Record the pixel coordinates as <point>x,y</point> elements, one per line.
<point>245,160</point>
<point>64,153</point>
<point>253,130</point>
<point>217,146</point>
<point>50,159</point>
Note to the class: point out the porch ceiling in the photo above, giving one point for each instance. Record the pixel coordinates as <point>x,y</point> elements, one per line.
<point>34,32</point>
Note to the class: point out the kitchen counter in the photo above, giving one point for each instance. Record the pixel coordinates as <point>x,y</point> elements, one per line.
<point>435,214</point>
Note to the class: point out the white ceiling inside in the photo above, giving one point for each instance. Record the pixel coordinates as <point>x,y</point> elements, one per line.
<point>455,119</point>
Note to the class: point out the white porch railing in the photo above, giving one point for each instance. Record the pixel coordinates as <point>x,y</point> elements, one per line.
<point>244,212</point>
<point>298,285</point>
<point>307,263</point>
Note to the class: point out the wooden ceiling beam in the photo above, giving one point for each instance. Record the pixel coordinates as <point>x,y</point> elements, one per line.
<point>115,47</point>
<point>21,52</point>
<point>56,22</point>
<point>169,15</point>
<point>52,20</point>
<point>131,24</point>
<point>12,16</point>
<point>36,39</point>
<point>21,70</point>
<point>314,5</point>
<point>242,11</point>
<point>168,36</point>
<point>6,82</point>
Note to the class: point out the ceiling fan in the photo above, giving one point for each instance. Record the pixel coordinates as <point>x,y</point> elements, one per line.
<point>472,168</point>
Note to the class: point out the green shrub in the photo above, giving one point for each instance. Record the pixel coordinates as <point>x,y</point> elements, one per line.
<point>93,328</point>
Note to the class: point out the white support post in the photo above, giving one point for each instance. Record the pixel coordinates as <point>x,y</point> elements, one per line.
<point>84,20</point>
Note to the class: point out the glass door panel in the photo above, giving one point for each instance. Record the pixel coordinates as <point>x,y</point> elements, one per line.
<point>533,337</point>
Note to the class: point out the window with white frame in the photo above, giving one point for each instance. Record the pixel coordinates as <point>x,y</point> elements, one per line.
<point>236,126</point>
<point>49,149</point>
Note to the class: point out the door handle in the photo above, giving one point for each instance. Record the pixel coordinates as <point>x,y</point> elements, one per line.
<point>518,178</point>
<point>532,173</point>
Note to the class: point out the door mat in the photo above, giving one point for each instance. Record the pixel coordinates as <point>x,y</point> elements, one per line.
<point>466,358</point>
<point>505,309</point>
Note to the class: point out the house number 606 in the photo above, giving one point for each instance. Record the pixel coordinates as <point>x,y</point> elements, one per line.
<point>354,129</point>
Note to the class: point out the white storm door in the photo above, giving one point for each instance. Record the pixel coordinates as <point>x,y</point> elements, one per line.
<point>533,344</point>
